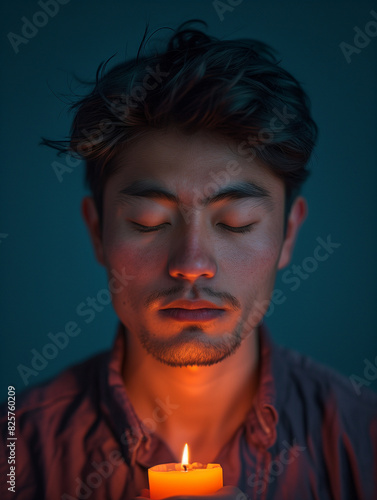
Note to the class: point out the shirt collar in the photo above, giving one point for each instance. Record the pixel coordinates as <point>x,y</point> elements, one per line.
<point>262,419</point>
<point>121,414</point>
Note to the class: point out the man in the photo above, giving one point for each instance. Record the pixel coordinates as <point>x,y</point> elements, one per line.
<point>195,157</point>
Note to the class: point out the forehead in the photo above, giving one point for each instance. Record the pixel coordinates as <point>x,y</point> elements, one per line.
<point>188,163</point>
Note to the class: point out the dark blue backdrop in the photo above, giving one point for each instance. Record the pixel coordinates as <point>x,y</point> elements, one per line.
<point>48,267</point>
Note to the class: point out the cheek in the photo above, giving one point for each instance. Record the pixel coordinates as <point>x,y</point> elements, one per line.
<point>255,257</point>
<point>255,275</point>
<point>141,262</point>
<point>123,260</point>
<point>128,261</point>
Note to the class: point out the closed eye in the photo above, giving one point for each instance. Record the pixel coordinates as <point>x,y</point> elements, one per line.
<point>148,229</point>
<point>235,229</point>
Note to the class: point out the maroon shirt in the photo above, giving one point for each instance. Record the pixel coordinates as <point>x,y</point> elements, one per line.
<point>307,436</point>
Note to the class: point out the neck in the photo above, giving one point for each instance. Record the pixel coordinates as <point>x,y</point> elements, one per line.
<point>201,405</point>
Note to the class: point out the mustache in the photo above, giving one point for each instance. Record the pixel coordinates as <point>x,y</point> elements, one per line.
<point>203,293</point>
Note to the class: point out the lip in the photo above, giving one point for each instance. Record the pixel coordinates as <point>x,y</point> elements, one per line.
<point>191,310</point>
<point>191,315</point>
<point>191,305</point>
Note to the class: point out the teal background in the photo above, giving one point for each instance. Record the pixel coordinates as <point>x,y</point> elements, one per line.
<point>47,262</point>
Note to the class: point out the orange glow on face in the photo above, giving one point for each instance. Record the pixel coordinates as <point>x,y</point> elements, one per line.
<point>185,457</point>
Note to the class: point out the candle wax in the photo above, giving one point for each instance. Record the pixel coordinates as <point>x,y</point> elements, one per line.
<point>167,480</point>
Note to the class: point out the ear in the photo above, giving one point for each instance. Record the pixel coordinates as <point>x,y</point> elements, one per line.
<point>91,218</point>
<point>296,217</point>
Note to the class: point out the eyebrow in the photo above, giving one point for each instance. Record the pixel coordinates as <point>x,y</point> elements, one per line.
<point>237,191</point>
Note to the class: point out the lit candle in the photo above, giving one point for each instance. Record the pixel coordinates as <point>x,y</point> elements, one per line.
<point>167,480</point>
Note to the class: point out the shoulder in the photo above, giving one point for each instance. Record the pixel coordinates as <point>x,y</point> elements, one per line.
<point>316,385</point>
<point>333,421</point>
<point>59,425</point>
<point>50,401</point>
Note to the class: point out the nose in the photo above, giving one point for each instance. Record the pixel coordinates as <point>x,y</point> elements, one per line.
<point>192,257</point>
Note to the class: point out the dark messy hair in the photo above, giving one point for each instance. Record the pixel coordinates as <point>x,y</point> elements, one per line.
<point>235,88</point>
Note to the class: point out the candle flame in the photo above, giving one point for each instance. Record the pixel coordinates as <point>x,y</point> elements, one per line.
<point>185,457</point>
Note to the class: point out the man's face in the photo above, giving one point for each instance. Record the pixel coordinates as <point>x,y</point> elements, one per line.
<point>192,221</point>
